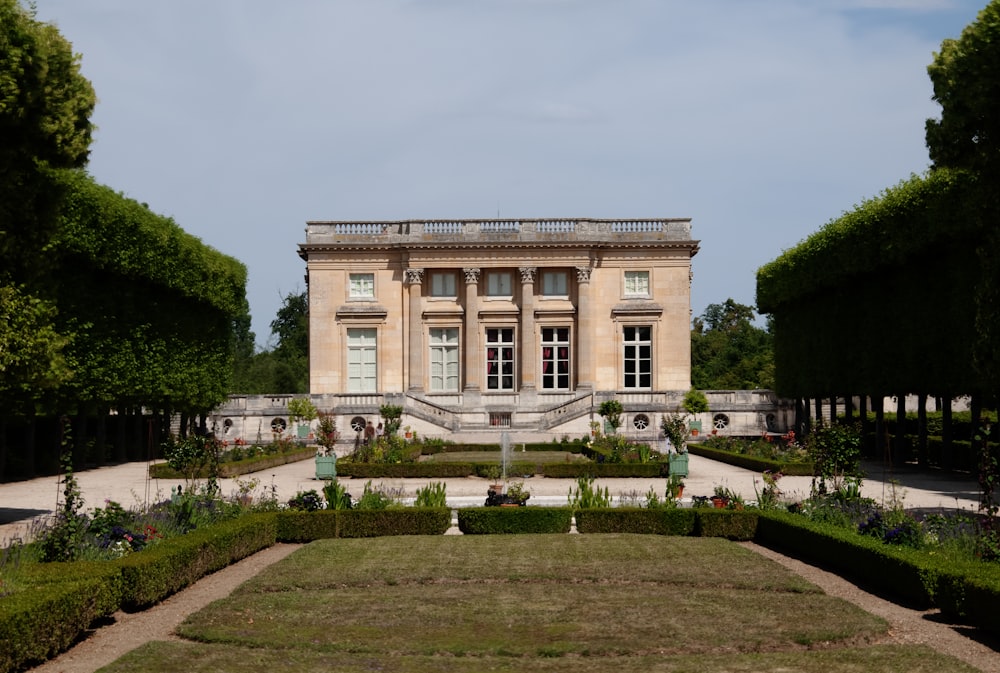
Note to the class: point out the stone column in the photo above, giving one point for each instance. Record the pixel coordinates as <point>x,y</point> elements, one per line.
<point>415,363</point>
<point>528,355</point>
<point>473,366</point>
<point>584,331</point>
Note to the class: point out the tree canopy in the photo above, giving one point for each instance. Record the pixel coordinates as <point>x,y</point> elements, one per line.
<point>966,79</point>
<point>284,367</point>
<point>728,352</point>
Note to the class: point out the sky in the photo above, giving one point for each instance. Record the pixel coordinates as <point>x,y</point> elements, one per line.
<point>761,120</point>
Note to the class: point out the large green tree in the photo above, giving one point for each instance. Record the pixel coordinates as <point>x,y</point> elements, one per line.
<point>966,79</point>
<point>729,352</point>
<point>284,367</point>
<point>45,108</point>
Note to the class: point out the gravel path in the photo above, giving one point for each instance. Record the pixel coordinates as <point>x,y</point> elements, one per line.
<point>129,631</point>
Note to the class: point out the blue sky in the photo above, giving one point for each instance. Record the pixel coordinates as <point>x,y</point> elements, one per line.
<point>759,119</point>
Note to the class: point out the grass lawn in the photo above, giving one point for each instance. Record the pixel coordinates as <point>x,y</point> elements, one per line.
<point>531,603</point>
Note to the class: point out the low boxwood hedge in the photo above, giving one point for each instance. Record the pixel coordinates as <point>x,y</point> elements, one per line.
<point>503,520</point>
<point>752,462</point>
<point>48,616</point>
<point>732,524</point>
<point>164,568</point>
<point>678,521</point>
<point>237,467</point>
<point>296,526</point>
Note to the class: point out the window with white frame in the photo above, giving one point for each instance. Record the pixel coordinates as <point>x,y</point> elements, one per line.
<point>555,284</point>
<point>361,360</point>
<point>499,284</point>
<point>555,358</point>
<point>443,284</point>
<point>637,283</point>
<point>444,359</point>
<point>638,356</point>
<point>500,358</point>
<point>362,286</point>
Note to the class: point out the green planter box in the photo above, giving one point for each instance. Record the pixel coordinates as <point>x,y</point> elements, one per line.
<point>326,467</point>
<point>679,464</point>
<point>303,431</point>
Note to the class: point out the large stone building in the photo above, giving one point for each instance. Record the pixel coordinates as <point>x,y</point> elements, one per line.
<point>500,324</point>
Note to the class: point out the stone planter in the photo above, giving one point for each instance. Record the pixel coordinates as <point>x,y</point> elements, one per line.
<point>326,467</point>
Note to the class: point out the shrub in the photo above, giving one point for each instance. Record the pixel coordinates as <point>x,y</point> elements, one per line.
<point>505,520</point>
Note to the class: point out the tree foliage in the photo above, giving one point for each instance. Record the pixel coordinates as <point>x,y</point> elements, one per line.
<point>966,79</point>
<point>45,108</point>
<point>728,352</point>
<point>283,368</point>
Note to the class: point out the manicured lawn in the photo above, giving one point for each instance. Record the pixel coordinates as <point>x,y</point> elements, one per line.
<point>530,603</point>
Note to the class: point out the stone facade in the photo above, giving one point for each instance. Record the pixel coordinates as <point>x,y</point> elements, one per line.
<point>473,325</point>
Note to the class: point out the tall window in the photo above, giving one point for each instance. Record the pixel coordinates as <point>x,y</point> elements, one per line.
<point>361,361</point>
<point>444,359</point>
<point>555,358</point>
<point>362,285</point>
<point>554,284</point>
<point>638,356</point>
<point>500,358</point>
<point>637,283</point>
<point>443,284</point>
<point>498,284</point>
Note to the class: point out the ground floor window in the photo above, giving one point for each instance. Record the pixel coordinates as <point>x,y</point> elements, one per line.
<point>555,358</point>
<point>500,358</point>
<point>638,356</point>
<point>444,359</point>
<point>361,360</point>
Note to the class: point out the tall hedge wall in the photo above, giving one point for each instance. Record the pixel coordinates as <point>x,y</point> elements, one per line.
<point>881,300</point>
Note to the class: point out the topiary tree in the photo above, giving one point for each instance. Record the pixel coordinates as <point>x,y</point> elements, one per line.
<point>611,411</point>
<point>392,414</point>
<point>695,402</point>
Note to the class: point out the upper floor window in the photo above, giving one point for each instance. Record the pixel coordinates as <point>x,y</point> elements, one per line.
<point>637,283</point>
<point>362,286</point>
<point>499,284</point>
<point>555,284</point>
<point>443,284</point>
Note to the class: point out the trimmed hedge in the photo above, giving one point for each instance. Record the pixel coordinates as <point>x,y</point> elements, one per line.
<point>504,520</point>
<point>295,526</point>
<point>609,470</point>
<point>899,571</point>
<point>39,623</point>
<point>732,524</point>
<point>346,468</point>
<point>679,521</point>
<point>163,569</point>
<point>235,468</point>
<point>752,462</point>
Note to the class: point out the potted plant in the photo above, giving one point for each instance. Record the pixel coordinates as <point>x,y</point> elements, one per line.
<point>611,411</point>
<point>675,487</point>
<point>492,473</point>
<point>695,403</point>
<point>720,497</point>
<point>302,409</point>
<point>517,494</point>
<point>675,429</point>
<point>326,438</point>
